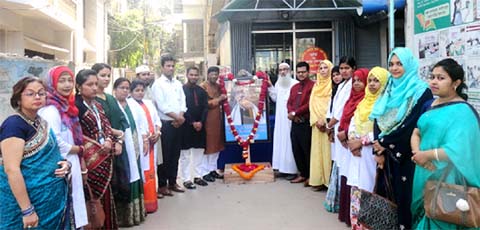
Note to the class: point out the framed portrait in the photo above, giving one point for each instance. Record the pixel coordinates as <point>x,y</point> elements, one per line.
<point>243,100</point>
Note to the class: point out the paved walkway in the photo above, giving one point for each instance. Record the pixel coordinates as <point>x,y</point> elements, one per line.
<point>278,205</point>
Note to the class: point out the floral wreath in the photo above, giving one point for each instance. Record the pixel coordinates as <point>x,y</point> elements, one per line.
<point>246,170</point>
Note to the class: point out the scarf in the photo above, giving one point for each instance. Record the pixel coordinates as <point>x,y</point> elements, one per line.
<point>400,94</point>
<point>362,124</point>
<point>320,95</point>
<point>65,105</point>
<point>353,100</point>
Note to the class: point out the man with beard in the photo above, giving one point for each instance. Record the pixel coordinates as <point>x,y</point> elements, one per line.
<point>193,130</point>
<point>213,125</point>
<point>170,102</point>
<point>282,157</point>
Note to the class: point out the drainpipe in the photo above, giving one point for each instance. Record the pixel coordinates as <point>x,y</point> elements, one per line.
<point>391,22</point>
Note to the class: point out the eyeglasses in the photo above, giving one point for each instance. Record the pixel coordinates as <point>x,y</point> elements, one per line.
<point>30,93</point>
<point>300,72</point>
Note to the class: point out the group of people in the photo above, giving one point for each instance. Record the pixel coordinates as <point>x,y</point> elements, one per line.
<point>72,148</point>
<point>381,131</point>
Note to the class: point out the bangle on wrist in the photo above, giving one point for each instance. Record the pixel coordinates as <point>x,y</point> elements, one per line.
<point>328,127</point>
<point>28,211</point>
<point>80,149</point>
<point>84,171</point>
<point>435,151</point>
<point>121,135</point>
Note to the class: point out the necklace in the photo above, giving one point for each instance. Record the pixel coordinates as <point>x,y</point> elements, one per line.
<point>35,123</point>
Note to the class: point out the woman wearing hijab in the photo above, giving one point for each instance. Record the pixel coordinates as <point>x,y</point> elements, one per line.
<point>320,160</point>
<point>332,199</point>
<point>61,114</point>
<point>395,115</point>
<point>362,167</point>
<point>343,155</point>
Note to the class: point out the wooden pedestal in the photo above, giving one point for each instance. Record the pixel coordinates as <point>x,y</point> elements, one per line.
<point>263,176</point>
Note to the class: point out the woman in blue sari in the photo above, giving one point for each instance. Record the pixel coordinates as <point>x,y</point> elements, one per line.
<point>440,140</point>
<point>33,189</point>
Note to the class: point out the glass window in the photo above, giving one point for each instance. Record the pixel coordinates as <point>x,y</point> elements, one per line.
<point>313,47</point>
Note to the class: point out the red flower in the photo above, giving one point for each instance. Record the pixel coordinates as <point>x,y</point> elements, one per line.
<point>261,103</point>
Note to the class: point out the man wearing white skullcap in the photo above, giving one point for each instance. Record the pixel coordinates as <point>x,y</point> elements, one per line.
<point>282,157</point>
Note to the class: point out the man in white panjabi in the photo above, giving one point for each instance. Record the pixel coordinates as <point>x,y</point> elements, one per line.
<point>282,158</point>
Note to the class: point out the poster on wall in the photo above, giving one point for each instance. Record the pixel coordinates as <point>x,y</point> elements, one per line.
<point>431,15</point>
<point>313,56</point>
<point>243,100</point>
<point>449,29</point>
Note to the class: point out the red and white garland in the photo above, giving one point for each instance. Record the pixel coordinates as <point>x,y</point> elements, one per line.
<point>261,104</point>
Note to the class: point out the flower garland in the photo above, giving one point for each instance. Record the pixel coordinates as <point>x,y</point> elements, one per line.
<point>245,144</point>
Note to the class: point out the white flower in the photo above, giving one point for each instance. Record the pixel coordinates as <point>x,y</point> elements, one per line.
<point>462,205</point>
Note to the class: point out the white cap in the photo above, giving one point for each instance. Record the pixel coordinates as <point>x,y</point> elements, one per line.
<point>141,69</point>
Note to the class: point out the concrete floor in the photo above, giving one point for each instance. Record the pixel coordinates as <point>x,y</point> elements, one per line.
<point>278,205</point>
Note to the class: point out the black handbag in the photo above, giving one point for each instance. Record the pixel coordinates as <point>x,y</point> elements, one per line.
<point>377,212</point>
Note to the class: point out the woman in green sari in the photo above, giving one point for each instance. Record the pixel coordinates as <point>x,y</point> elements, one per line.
<point>440,140</point>
<point>120,178</point>
<point>132,211</point>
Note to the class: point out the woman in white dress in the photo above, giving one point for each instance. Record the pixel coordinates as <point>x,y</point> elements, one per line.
<point>149,126</point>
<point>132,211</point>
<point>362,166</point>
<point>62,116</point>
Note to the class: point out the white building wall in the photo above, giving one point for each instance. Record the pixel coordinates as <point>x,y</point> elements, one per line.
<point>19,31</point>
<point>15,42</point>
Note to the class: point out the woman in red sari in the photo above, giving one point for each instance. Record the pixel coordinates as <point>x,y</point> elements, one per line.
<point>98,142</point>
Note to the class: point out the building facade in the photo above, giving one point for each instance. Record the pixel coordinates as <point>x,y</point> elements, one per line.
<point>64,30</point>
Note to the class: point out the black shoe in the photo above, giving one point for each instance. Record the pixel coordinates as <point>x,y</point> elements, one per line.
<point>199,181</point>
<point>209,178</point>
<point>215,175</point>
<point>290,177</point>
<point>189,185</point>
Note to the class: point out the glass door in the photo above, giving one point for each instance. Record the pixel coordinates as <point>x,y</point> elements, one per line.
<point>312,47</point>
<point>271,49</point>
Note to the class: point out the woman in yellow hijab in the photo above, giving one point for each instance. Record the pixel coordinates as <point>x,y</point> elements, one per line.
<point>320,158</point>
<point>362,166</point>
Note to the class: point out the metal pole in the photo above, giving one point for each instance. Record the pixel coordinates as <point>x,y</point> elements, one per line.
<point>391,22</point>
<point>145,62</point>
